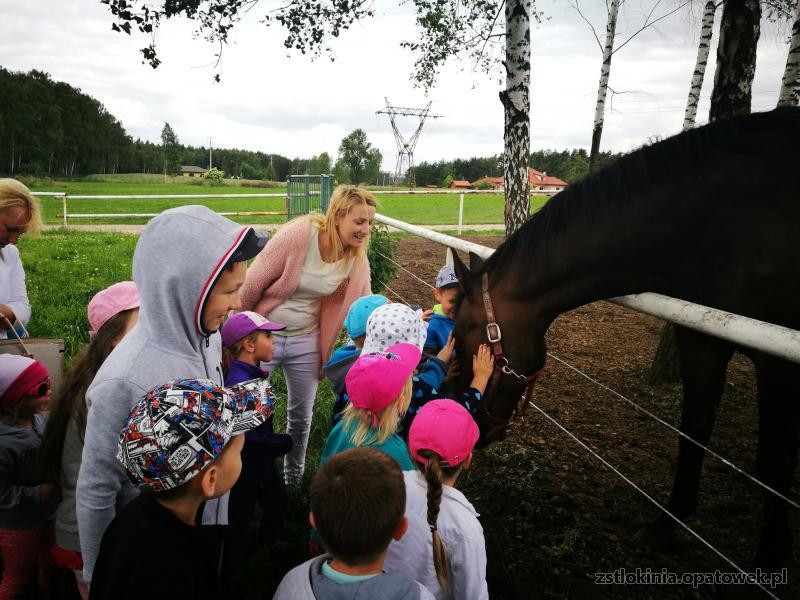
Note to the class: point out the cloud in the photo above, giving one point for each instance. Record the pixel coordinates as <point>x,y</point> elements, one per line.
<point>288,104</point>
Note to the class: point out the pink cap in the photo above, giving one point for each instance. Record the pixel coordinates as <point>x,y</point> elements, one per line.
<point>111,301</point>
<point>445,427</point>
<point>376,379</point>
<point>18,375</point>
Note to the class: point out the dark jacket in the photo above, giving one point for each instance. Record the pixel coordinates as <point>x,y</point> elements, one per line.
<point>336,370</point>
<point>147,552</point>
<point>261,445</point>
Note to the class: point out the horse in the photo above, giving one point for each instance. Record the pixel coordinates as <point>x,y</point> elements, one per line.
<point>712,216</point>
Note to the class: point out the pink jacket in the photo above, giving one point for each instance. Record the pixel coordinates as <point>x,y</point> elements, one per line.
<point>275,272</point>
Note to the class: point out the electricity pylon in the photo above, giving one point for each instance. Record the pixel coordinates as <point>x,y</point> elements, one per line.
<point>405,148</point>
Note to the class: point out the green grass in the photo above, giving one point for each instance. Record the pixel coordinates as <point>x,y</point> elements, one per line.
<point>422,209</point>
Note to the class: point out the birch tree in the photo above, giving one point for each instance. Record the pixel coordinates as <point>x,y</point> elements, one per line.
<point>703,49</point>
<point>790,86</point>
<point>486,34</point>
<point>608,50</point>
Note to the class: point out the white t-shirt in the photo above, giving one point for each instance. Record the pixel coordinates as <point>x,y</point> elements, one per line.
<point>462,536</point>
<point>12,286</point>
<point>300,312</point>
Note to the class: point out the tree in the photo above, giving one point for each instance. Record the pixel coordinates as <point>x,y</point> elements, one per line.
<point>790,86</point>
<point>739,31</point>
<point>359,158</point>
<point>608,50</point>
<point>703,48</point>
<point>467,29</point>
<point>170,148</point>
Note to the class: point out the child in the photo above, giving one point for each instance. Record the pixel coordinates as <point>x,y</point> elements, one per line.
<point>441,324</point>
<point>395,323</point>
<point>444,547</point>
<point>182,440</point>
<point>380,390</point>
<point>112,313</point>
<point>188,265</point>
<point>357,502</point>
<point>355,323</point>
<point>27,503</point>
<point>247,337</point>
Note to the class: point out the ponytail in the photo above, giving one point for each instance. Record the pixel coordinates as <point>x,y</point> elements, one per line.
<point>434,477</point>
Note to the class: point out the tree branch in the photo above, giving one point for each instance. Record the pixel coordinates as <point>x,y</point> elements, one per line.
<point>649,24</point>
<point>577,8</point>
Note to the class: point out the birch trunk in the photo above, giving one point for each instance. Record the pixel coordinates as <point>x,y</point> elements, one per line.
<point>602,89</point>
<point>739,31</point>
<point>516,105</point>
<point>703,49</point>
<point>790,88</point>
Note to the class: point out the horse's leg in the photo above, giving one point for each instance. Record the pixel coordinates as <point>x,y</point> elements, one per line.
<point>703,361</point>
<point>778,421</point>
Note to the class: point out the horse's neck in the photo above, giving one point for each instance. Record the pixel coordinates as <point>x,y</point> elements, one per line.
<point>612,255</point>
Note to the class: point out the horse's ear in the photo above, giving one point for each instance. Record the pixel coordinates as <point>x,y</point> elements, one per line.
<point>475,261</point>
<point>462,272</point>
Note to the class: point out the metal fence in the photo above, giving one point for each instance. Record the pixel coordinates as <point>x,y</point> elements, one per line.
<point>308,193</point>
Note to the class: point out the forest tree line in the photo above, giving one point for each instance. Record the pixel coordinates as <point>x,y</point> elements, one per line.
<point>50,128</point>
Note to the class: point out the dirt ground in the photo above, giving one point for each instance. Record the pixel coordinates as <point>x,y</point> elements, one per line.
<point>554,516</point>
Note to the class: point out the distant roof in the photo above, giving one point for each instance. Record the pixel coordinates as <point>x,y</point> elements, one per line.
<point>193,169</point>
<point>491,180</point>
<point>459,183</point>
<point>535,177</point>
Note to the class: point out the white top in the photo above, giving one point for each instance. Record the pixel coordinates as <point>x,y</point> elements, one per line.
<point>462,536</point>
<point>12,286</point>
<point>300,312</point>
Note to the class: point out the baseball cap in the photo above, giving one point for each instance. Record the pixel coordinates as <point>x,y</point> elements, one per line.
<point>445,427</point>
<point>176,429</point>
<point>252,243</point>
<point>394,324</point>
<point>111,301</point>
<point>245,323</point>
<point>377,378</point>
<point>18,376</point>
<point>446,277</point>
<point>356,320</point>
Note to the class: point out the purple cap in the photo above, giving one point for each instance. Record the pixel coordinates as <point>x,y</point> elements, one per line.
<point>245,323</point>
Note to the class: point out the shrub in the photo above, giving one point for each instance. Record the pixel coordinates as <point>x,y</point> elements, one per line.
<point>214,176</point>
<point>382,269</point>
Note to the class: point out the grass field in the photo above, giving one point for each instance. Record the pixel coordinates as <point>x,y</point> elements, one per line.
<point>422,209</point>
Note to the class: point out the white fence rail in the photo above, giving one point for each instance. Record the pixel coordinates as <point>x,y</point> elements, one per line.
<point>772,339</point>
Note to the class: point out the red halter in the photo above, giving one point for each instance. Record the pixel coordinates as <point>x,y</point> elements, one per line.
<point>501,367</point>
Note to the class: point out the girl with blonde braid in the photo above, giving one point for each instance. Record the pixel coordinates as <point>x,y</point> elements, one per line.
<point>444,548</point>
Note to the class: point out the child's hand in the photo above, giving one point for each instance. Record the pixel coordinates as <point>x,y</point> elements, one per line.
<point>453,372</point>
<point>426,316</point>
<point>49,494</point>
<point>446,354</point>
<point>482,368</point>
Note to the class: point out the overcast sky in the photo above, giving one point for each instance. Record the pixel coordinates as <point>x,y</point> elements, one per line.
<point>297,107</point>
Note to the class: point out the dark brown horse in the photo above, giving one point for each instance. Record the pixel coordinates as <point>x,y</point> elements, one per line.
<point>711,216</point>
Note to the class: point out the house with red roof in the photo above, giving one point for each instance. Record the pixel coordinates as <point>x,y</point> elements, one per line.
<point>460,184</point>
<point>540,182</point>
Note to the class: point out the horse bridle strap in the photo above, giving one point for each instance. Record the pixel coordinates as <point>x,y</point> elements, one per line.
<point>501,364</point>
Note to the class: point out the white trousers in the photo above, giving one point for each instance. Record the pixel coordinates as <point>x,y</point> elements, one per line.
<point>299,357</point>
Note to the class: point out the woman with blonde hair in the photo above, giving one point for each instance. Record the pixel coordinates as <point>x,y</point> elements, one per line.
<point>307,277</point>
<point>19,213</point>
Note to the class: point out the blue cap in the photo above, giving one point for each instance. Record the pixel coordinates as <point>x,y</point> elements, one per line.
<point>356,320</point>
<point>446,277</point>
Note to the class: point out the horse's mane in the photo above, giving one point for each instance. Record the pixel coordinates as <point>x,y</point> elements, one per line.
<point>689,154</point>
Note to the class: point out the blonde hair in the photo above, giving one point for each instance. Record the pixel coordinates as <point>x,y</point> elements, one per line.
<point>343,199</point>
<point>388,419</point>
<point>15,194</point>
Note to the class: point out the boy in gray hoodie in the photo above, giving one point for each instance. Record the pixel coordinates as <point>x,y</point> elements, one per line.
<point>188,265</point>
<point>358,502</point>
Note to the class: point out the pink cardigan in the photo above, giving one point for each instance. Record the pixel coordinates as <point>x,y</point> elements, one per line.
<point>275,272</point>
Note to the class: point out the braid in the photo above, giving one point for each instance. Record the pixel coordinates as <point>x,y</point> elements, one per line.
<point>434,477</point>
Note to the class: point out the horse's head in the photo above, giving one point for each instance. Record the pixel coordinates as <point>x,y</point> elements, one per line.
<point>515,336</point>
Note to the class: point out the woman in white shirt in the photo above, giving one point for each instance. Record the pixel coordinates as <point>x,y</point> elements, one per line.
<point>307,277</point>
<point>19,213</point>
<point>444,548</point>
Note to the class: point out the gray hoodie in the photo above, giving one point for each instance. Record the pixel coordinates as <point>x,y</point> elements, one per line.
<point>307,582</point>
<point>179,257</point>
